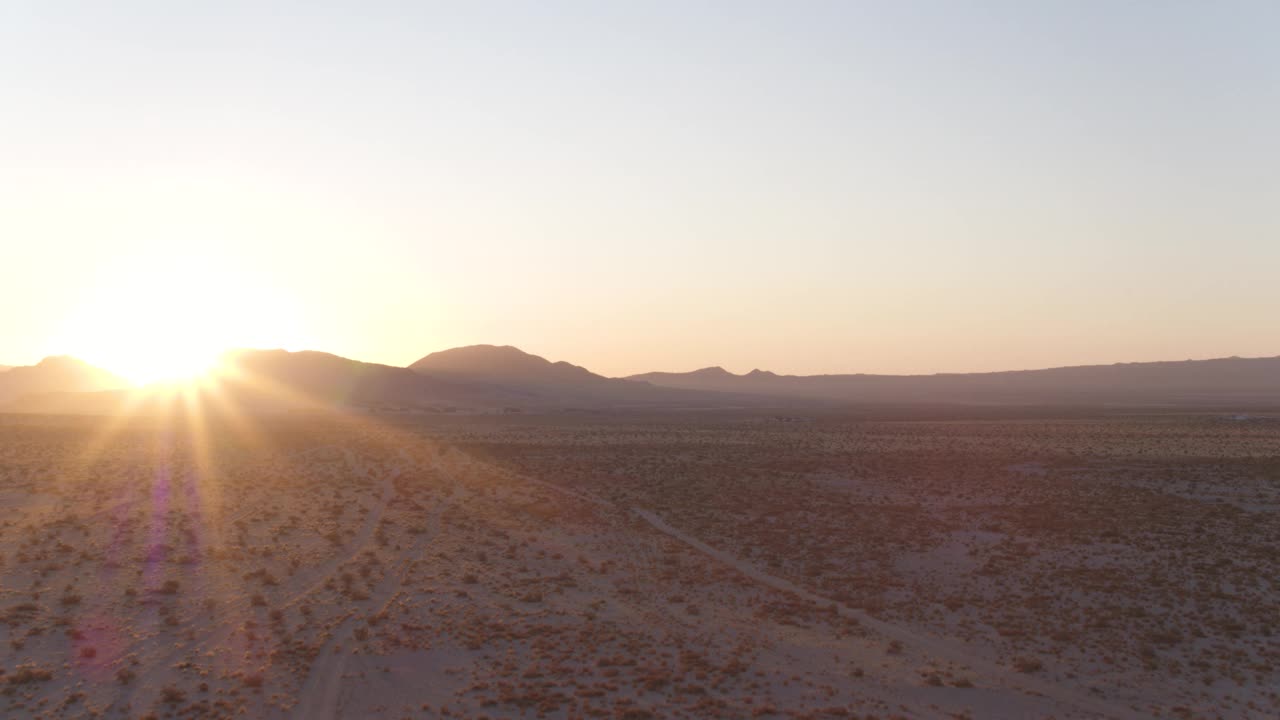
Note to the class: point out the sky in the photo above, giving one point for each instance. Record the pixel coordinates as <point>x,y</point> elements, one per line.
<point>805,187</point>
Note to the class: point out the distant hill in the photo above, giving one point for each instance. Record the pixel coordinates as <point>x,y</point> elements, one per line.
<point>1190,382</point>
<point>489,378</point>
<point>277,377</point>
<point>276,380</point>
<point>541,383</point>
<point>480,377</point>
<point>55,374</point>
<point>504,364</point>
<point>500,379</point>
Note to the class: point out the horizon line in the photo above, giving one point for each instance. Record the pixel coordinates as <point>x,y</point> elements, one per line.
<point>234,350</point>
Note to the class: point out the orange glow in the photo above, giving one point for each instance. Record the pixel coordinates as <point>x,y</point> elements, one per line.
<point>165,320</point>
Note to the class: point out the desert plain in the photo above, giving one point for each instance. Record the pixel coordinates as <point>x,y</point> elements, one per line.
<point>721,564</point>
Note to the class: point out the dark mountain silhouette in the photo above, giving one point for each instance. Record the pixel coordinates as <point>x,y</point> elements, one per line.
<point>1196,382</point>
<point>504,364</point>
<point>709,374</point>
<point>542,383</point>
<point>276,380</point>
<point>489,378</point>
<point>55,374</point>
<point>278,377</point>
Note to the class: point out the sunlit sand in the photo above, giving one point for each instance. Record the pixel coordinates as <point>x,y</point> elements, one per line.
<point>218,563</point>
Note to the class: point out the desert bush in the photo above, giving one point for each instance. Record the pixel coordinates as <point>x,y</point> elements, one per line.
<point>1027,664</point>
<point>29,673</point>
<point>171,695</point>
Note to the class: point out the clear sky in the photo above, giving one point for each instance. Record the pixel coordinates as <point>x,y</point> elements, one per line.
<point>799,186</point>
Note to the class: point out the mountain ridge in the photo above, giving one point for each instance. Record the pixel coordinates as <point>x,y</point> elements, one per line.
<point>506,362</point>
<point>282,381</point>
<point>720,370</point>
<point>1228,379</point>
<point>56,373</point>
<point>504,378</point>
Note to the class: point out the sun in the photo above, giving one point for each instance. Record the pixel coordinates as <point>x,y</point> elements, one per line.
<point>170,320</point>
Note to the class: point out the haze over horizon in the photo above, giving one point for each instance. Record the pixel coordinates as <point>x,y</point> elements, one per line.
<point>696,360</point>
<point>910,188</point>
<point>745,374</point>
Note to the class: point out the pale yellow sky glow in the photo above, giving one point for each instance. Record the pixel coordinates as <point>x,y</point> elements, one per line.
<point>900,188</point>
<point>164,318</point>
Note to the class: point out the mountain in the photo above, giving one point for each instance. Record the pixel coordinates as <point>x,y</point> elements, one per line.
<point>277,380</point>
<point>546,384</point>
<point>281,378</point>
<point>504,364</point>
<point>483,379</point>
<point>489,378</point>
<point>1190,382</point>
<point>561,384</point>
<point>55,374</point>
<point>479,377</point>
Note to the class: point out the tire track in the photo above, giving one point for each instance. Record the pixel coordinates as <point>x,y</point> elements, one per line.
<point>931,644</point>
<point>937,646</point>
<point>320,697</point>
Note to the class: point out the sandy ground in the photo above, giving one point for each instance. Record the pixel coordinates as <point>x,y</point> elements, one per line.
<point>334,567</point>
